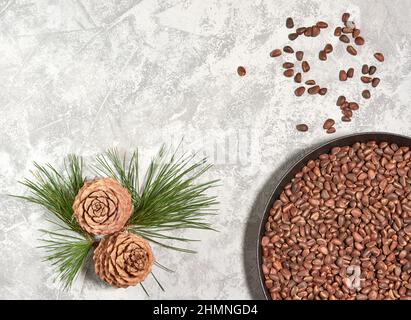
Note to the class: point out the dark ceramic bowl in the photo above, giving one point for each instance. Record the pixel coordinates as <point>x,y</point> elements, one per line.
<point>314,154</point>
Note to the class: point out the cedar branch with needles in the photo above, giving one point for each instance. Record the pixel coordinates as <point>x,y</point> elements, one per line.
<point>168,199</point>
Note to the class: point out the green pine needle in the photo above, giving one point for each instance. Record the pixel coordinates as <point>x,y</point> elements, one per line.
<point>158,264</point>
<point>158,282</point>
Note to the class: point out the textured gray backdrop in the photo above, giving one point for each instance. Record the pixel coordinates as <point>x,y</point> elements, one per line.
<point>81,76</point>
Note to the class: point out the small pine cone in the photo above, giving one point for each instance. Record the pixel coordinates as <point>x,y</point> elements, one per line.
<point>123,259</point>
<point>102,206</point>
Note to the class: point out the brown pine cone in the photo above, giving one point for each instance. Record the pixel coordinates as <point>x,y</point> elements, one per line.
<point>123,259</point>
<point>102,206</point>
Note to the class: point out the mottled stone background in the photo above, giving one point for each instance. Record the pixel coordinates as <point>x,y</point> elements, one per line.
<point>82,76</point>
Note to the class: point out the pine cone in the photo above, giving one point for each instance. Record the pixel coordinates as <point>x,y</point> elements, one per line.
<point>123,259</point>
<point>102,206</point>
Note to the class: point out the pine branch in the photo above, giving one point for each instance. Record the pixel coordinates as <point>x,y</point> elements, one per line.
<point>169,198</point>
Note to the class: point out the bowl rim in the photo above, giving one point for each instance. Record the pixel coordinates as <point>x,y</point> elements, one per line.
<point>313,153</point>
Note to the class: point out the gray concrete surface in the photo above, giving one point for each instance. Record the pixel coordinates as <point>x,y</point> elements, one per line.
<point>82,76</point>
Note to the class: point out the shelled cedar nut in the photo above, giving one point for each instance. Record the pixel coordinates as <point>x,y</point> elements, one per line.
<point>275,53</point>
<point>372,70</point>
<point>351,50</point>
<point>289,23</point>
<point>342,75</point>
<point>359,41</point>
<point>299,91</point>
<point>288,49</point>
<point>366,94</point>
<point>344,38</point>
<point>350,72</point>
<point>288,65</point>
<point>302,127</point>
<point>375,82</point>
<point>379,56</point>
<point>299,55</point>
<point>328,124</point>
<point>289,73</point>
<point>241,71</point>
<point>365,69</point>
<point>336,213</point>
<point>297,77</point>
<point>366,79</point>
<point>305,66</point>
<point>314,90</point>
